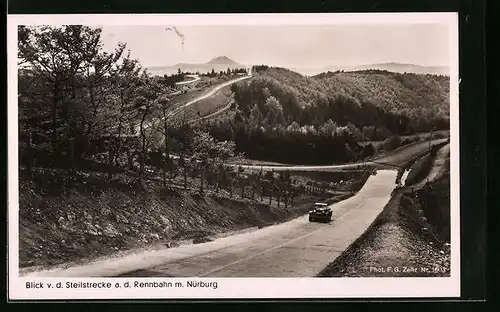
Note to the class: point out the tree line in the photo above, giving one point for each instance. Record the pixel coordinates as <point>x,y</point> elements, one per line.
<point>228,72</point>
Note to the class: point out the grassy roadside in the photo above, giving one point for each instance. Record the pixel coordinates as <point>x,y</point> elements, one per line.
<point>420,136</point>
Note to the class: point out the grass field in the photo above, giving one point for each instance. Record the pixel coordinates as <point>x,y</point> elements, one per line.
<point>204,85</point>
<point>423,136</point>
<point>210,105</point>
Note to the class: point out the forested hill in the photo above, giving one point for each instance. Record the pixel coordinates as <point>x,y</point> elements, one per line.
<point>410,94</point>
<point>401,103</point>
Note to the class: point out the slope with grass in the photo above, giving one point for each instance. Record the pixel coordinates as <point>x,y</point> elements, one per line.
<point>209,106</point>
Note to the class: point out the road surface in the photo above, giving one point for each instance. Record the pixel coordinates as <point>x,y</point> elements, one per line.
<point>212,92</point>
<point>296,248</point>
<point>394,159</point>
<point>195,78</point>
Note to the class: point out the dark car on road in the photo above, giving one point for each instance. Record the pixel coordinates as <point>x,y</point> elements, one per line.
<point>320,213</point>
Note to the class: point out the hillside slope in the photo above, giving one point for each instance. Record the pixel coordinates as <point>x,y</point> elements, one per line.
<point>396,68</point>
<point>392,67</point>
<point>408,94</point>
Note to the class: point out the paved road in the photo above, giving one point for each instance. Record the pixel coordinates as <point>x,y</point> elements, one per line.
<point>195,78</point>
<point>296,248</point>
<point>212,92</point>
<point>394,158</point>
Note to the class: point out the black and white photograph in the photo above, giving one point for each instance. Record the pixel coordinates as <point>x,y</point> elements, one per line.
<point>186,152</point>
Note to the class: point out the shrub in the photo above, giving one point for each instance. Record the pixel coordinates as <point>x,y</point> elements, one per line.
<point>368,150</point>
<point>406,141</point>
<point>392,143</point>
<point>437,135</point>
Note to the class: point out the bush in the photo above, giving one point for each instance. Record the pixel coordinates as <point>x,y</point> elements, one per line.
<point>439,135</point>
<point>391,143</point>
<point>368,151</point>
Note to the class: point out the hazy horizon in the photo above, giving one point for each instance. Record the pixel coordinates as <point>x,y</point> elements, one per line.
<point>306,46</point>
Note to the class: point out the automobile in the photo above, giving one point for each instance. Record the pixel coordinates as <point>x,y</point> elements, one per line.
<point>320,213</point>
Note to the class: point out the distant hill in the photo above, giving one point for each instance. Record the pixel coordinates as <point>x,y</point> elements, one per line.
<point>392,67</point>
<point>223,60</point>
<point>219,63</point>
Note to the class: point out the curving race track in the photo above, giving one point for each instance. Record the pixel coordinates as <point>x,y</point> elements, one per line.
<point>296,248</point>
<point>212,92</point>
<point>394,159</point>
<point>195,78</point>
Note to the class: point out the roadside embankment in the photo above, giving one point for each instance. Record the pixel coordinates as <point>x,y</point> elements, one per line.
<point>398,244</point>
<point>410,238</point>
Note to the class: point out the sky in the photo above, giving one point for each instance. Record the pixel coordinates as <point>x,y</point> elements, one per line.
<point>286,45</point>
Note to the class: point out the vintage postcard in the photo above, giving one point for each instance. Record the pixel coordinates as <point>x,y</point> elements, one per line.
<point>233,156</point>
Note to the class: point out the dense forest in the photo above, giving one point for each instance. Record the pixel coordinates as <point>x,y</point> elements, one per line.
<point>284,116</point>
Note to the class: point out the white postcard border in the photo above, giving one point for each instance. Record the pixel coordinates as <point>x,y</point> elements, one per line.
<point>238,287</point>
